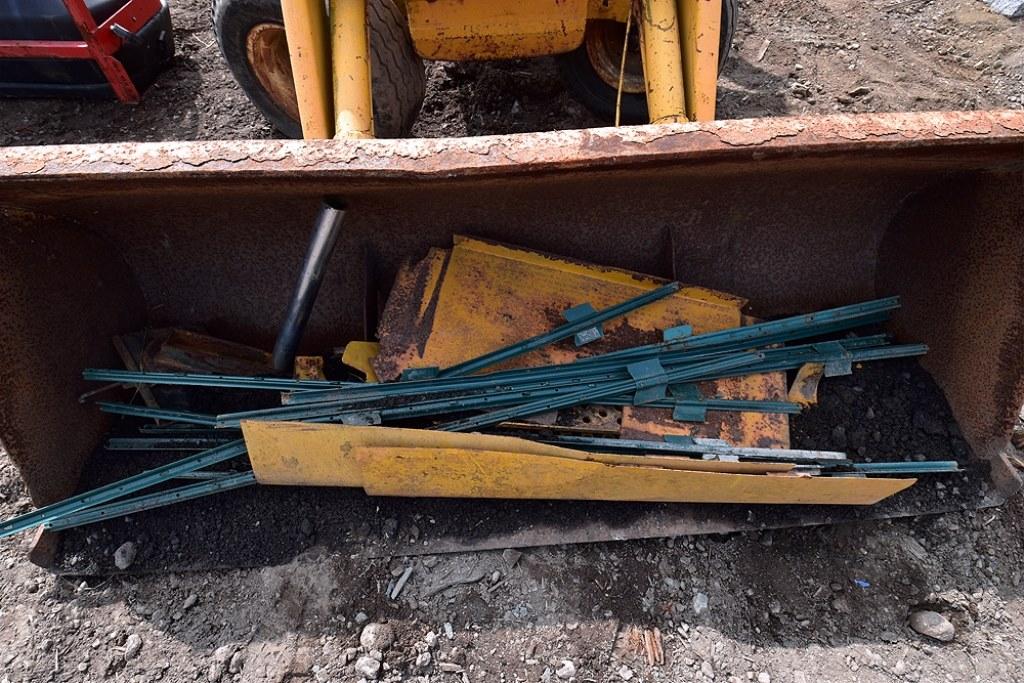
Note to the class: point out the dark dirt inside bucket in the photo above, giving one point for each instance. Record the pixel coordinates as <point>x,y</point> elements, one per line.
<point>884,411</point>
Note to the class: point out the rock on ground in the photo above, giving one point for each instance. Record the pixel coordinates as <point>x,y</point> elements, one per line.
<point>933,625</point>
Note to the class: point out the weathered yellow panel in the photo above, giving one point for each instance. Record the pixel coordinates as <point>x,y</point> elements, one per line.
<point>434,303</point>
<point>474,295</point>
<point>495,29</point>
<point>489,474</point>
<point>295,453</point>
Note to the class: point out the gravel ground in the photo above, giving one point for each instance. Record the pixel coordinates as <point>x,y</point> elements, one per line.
<point>804,605</point>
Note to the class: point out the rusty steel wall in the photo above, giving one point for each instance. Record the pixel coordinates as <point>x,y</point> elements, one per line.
<point>794,214</point>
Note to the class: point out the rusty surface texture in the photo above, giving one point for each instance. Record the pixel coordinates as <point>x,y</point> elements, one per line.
<point>498,154</point>
<point>792,214</point>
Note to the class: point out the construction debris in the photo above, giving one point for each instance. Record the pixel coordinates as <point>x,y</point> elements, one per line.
<point>697,389</point>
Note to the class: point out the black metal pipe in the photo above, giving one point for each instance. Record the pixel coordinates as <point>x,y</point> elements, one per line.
<point>321,244</point>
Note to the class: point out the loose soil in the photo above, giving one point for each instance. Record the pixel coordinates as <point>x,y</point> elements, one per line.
<point>824,603</point>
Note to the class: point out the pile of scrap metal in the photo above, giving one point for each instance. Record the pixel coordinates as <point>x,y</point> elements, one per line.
<point>648,391</point>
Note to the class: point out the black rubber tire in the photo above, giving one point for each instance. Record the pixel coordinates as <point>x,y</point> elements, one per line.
<point>399,78</point>
<point>593,93</point>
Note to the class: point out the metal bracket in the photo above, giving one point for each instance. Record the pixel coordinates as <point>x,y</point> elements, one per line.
<point>677,332</point>
<point>581,312</point>
<point>689,412</point>
<point>836,358</point>
<point>687,408</point>
<point>651,381</point>
<point>413,374</point>
<point>367,419</point>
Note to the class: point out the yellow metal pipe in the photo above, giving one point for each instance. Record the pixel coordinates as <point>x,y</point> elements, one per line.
<point>305,25</point>
<point>350,47</point>
<point>702,23</point>
<point>663,63</point>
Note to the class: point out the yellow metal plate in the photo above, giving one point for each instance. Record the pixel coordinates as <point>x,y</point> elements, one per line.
<point>410,463</point>
<point>295,453</point>
<point>493,474</point>
<point>491,29</point>
<point>487,295</point>
<point>480,296</point>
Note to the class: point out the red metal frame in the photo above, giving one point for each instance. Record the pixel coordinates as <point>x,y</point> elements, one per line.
<point>99,42</point>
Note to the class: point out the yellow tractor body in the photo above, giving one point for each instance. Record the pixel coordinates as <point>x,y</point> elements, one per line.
<point>678,44</point>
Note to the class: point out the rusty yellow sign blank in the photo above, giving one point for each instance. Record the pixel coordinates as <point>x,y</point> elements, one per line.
<point>411,463</point>
<point>479,296</point>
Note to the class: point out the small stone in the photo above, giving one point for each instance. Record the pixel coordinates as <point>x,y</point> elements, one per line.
<point>377,636</point>
<point>423,660</point>
<point>236,662</point>
<point>933,625</point>
<point>567,670</point>
<point>368,667</point>
<point>700,603</point>
<point>349,655</point>
<point>840,605</point>
<point>871,413</point>
<point>190,602</point>
<point>449,632</point>
<point>215,672</point>
<point>223,654</point>
<point>860,91</point>
<point>124,556</point>
<point>899,668</point>
<point>132,646</point>
<point>450,667</point>
<point>511,556</point>
<point>707,669</point>
<point>625,673</point>
<point>495,577</point>
<point>83,667</point>
<point>361,618</point>
<point>764,677</point>
<point>430,639</point>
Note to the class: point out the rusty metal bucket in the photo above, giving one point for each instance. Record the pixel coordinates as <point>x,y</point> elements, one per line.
<point>795,214</point>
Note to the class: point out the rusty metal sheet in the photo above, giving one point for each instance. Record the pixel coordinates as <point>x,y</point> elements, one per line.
<point>503,155</point>
<point>762,430</point>
<point>480,296</point>
<point>487,295</point>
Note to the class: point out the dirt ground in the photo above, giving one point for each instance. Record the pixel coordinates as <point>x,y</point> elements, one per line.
<point>805,605</point>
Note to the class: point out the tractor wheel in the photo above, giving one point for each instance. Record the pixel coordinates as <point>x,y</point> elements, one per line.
<point>252,38</point>
<point>591,71</point>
